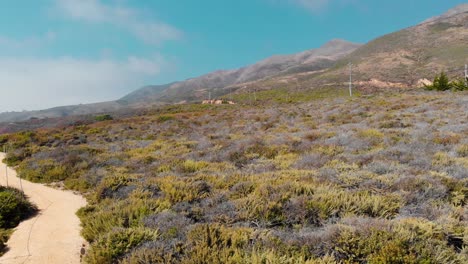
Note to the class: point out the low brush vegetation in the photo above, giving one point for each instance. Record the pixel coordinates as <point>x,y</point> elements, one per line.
<point>14,207</point>
<point>318,178</point>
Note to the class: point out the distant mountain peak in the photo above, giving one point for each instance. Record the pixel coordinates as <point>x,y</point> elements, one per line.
<point>335,42</point>
<point>457,10</point>
<point>463,8</point>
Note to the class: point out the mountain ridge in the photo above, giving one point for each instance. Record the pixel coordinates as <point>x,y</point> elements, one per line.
<point>319,58</point>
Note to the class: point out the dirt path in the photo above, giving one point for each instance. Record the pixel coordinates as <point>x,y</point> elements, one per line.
<point>53,236</point>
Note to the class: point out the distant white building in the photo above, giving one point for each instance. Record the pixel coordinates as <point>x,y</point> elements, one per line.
<point>217,102</point>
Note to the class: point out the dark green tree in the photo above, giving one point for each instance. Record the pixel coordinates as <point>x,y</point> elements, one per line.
<point>103,117</point>
<point>441,83</point>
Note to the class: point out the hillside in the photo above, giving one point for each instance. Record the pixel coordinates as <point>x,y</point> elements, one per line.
<point>439,44</point>
<point>404,57</point>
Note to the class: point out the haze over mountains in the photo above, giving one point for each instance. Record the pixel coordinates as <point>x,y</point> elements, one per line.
<point>398,59</point>
<point>197,88</point>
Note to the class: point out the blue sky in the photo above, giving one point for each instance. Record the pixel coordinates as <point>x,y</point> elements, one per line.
<point>59,52</point>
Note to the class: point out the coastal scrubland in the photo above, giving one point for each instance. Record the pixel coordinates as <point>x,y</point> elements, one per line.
<point>315,177</point>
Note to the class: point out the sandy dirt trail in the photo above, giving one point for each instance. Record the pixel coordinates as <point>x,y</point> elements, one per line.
<point>53,236</point>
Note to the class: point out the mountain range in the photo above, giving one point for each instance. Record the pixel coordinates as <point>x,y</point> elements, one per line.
<point>400,59</point>
<point>197,88</point>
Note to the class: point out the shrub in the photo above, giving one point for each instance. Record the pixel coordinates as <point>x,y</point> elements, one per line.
<point>111,246</point>
<point>440,83</point>
<point>155,252</point>
<point>460,85</point>
<point>217,244</point>
<point>4,235</point>
<point>47,170</point>
<point>462,150</point>
<point>13,207</point>
<point>103,118</point>
<point>374,136</point>
<point>164,118</point>
<point>190,166</point>
<point>328,202</point>
<point>447,139</point>
<point>122,214</point>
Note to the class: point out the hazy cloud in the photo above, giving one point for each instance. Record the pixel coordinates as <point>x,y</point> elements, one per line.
<point>318,5</point>
<point>94,11</point>
<point>8,43</point>
<point>37,83</point>
<point>313,5</point>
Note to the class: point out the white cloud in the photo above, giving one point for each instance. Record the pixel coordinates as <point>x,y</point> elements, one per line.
<point>33,83</point>
<point>94,11</point>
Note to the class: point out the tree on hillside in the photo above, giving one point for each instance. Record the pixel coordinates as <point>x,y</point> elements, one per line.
<point>441,83</point>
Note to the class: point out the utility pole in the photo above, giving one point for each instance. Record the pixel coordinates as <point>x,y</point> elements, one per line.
<point>209,95</point>
<point>21,183</point>
<point>350,79</point>
<point>466,73</point>
<point>6,166</point>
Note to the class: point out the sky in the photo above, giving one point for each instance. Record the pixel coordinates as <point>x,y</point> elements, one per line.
<point>62,52</point>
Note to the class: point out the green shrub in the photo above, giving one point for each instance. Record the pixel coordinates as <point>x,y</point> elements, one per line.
<point>46,171</point>
<point>377,247</point>
<point>111,246</point>
<point>165,118</point>
<point>217,244</point>
<point>462,150</point>
<point>328,202</point>
<point>460,85</point>
<point>14,207</point>
<point>103,218</point>
<point>440,83</point>
<point>103,118</point>
<point>190,166</point>
<point>4,235</point>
